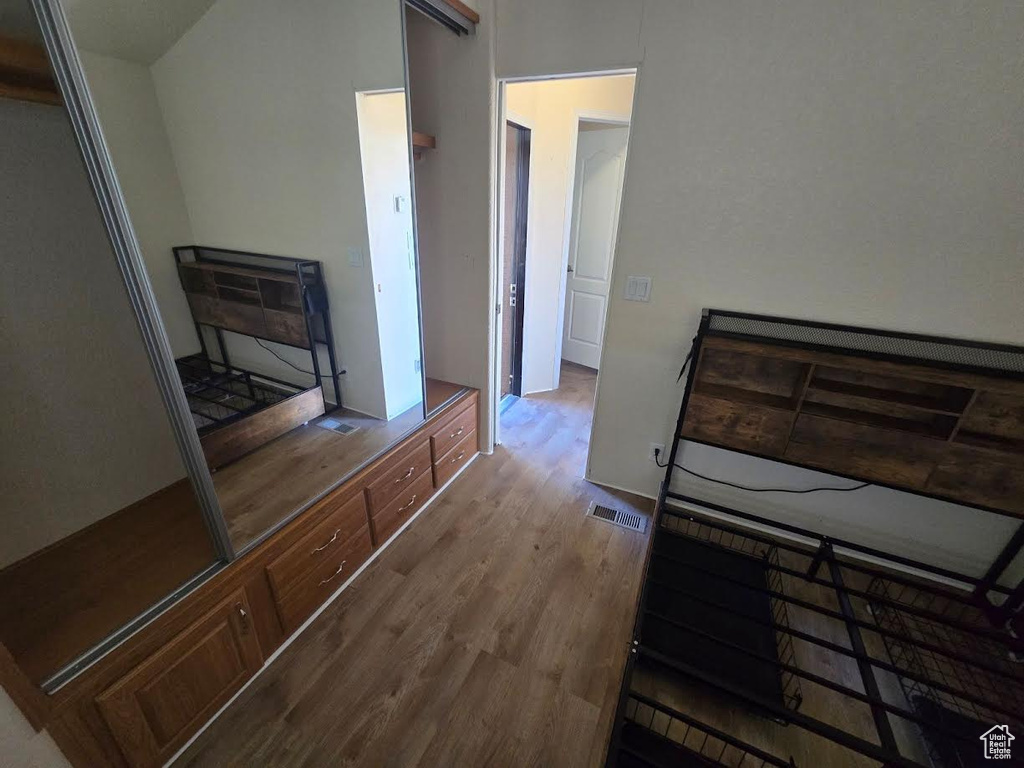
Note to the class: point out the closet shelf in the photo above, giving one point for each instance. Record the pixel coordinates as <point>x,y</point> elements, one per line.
<point>25,72</point>
<point>465,10</point>
<point>422,142</point>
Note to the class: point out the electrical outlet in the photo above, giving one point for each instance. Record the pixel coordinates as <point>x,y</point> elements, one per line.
<point>657,452</point>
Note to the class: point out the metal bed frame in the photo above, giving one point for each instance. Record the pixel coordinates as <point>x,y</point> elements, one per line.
<point>219,394</point>
<point>948,648</point>
<point>316,311</point>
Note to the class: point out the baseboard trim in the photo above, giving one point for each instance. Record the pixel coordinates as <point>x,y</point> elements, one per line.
<point>615,487</point>
<point>281,648</point>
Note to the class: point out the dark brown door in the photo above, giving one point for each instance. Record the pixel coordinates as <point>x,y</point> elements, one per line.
<point>517,185</point>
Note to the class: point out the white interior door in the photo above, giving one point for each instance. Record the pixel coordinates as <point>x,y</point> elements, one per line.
<point>600,161</point>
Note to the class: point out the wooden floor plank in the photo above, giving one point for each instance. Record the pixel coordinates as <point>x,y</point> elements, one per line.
<point>492,632</point>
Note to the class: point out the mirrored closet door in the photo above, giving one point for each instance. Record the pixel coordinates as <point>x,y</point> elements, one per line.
<point>254,163</point>
<point>263,153</point>
<point>101,523</point>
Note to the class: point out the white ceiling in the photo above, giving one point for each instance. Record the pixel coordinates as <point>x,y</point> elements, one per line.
<point>136,30</point>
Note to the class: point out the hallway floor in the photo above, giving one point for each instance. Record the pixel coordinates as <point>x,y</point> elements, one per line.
<point>491,633</point>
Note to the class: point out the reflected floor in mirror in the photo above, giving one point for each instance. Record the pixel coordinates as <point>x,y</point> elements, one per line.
<point>68,597</point>
<point>266,487</point>
<point>440,393</point>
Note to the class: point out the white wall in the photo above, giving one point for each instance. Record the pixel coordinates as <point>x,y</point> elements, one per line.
<point>84,430</point>
<point>552,107</point>
<point>23,747</point>
<point>452,92</point>
<point>258,101</point>
<point>133,127</point>
<point>857,163</point>
<point>384,149</point>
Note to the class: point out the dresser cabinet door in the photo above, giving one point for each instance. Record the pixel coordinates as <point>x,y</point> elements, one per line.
<point>156,707</point>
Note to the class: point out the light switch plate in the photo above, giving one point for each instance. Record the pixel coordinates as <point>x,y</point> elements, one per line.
<point>355,256</point>
<point>638,288</point>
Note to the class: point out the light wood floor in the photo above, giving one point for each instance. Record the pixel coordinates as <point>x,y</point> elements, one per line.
<point>491,633</point>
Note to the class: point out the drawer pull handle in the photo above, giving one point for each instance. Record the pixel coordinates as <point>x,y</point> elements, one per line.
<point>411,502</point>
<point>340,567</point>
<point>243,618</point>
<point>325,546</point>
<point>456,434</point>
<point>406,476</point>
<point>459,457</point>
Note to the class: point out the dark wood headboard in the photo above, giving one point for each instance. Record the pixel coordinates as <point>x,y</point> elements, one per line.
<point>938,417</point>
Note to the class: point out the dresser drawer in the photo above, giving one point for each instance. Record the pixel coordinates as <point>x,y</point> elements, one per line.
<point>455,459</point>
<point>390,519</point>
<point>454,429</point>
<point>399,478</point>
<point>330,535</point>
<point>312,589</point>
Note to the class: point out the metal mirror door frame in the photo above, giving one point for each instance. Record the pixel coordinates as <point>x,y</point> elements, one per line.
<point>99,167</point>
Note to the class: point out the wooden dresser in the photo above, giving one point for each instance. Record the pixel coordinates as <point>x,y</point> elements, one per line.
<point>139,704</point>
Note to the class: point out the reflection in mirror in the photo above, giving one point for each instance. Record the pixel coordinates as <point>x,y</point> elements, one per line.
<point>100,522</point>
<point>263,153</point>
<point>436,168</point>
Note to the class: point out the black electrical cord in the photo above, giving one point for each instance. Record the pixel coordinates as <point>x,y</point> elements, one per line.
<point>756,490</point>
<point>300,370</point>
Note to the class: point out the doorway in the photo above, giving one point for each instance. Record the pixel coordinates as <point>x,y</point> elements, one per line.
<point>515,207</point>
<point>557,227</point>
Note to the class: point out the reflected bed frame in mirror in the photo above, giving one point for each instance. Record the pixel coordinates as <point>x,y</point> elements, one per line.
<point>279,299</point>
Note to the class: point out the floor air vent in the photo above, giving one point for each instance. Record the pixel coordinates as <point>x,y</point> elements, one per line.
<point>336,425</point>
<point>629,520</point>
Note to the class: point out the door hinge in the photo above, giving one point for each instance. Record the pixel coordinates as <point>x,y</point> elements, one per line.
<point>497,308</point>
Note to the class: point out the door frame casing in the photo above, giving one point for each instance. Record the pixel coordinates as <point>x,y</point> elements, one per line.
<point>521,220</point>
<point>504,116</point>
<point>588,116</point>
<point>501,113</point>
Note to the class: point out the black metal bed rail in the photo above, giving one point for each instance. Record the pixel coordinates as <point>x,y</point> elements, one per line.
<point>764,552</point>
<point>839,616</point>
<point>792,693</point>
<point>213,379</point>
<point>839,544</point>
<point>887,666</point>
<point>952,603</point>
<point>709,744</point>
<point>806,722</point>
<point>946,681</point>
<point>953,616</point>
<point>219,394</point>
<point>197,362</point>
<point>872,699</point>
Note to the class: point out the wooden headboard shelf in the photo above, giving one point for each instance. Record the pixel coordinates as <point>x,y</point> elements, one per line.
<point>258,302</point>
<point>942,430</point>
